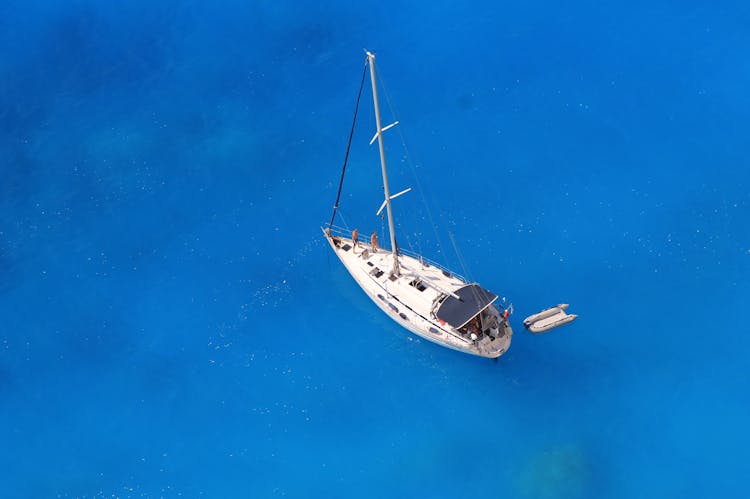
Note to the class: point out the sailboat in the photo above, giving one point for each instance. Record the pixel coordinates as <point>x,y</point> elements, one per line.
<point>422,296</point>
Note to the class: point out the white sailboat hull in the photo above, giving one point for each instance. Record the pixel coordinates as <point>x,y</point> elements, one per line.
<point>410,299</point>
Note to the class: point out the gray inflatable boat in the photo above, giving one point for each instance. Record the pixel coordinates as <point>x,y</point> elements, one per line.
<point>549,319</point>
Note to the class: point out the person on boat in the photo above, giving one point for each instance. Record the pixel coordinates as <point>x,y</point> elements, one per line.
<point>473,331</point>
<point>374,242</point>
<point>355,239</point>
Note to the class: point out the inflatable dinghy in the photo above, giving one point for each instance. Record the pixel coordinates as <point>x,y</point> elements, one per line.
<point>549,319</point>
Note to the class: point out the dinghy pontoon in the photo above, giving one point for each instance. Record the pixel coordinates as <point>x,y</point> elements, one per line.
<point>549,319</point>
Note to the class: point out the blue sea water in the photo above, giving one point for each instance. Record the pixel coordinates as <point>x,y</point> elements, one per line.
<point>173,323</point>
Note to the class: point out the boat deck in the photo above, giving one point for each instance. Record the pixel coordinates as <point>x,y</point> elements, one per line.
<point>411,298</point>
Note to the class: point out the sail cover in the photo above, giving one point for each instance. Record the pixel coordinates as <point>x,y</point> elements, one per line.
<point>471,300</point>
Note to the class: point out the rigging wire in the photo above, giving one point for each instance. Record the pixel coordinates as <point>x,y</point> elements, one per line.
<point>461,260</point>
<point>409,162</point>
<point>346,225</point>
<point>349,144</point>
<point>465,270</point>
<point>382,228</point>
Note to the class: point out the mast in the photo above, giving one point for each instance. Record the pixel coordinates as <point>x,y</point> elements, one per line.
<point>394,250</point>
